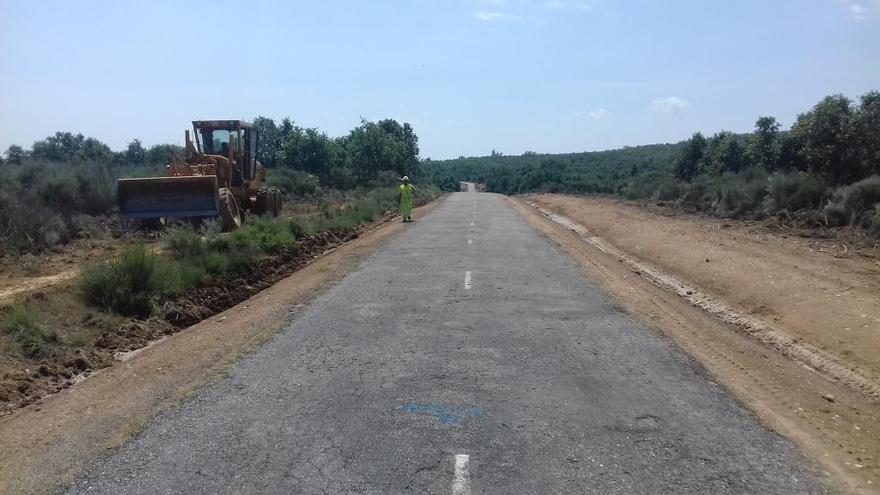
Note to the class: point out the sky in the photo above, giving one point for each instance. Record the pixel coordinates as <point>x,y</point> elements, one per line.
<point>471,76</point>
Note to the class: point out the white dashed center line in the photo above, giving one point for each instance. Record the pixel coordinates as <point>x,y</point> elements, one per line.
<point>470,241</point>
<point>461,482</point>
<point>472,224</point>
<point>467,280</point>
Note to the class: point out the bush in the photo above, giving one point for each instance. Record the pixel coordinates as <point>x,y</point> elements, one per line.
<point>44,204</point>
<point>184,243</point>
<point>26,225</point>
<point>294,182</point>
<point>741,194</point>
<point>132,282</point>
<point>855,204</point>
<point>794,192</point>
<point>35,342</point>
<point>199,257</point>
<point>268,236</point>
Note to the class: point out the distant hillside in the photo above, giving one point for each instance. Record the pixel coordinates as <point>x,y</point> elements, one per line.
<point>824,171</point>
<point>589,172</point>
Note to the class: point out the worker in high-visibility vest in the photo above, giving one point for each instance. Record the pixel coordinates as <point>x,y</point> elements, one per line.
<point>405,199</point>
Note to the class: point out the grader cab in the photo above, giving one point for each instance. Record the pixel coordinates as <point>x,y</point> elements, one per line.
<point>219,177</point>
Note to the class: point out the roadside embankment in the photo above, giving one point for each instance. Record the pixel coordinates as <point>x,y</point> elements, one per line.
<point>804,293</point>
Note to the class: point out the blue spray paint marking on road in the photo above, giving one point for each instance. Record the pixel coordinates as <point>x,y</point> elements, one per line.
<point>446,415</point>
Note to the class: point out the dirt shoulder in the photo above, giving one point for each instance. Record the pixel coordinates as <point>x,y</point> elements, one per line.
<point>778,279</point>
<point>788,282</point>
<point>47,443</point>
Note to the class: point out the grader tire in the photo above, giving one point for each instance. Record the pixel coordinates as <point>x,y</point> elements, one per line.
<point>264,202</point>
<point>230,214</point>
<point>277,202</point>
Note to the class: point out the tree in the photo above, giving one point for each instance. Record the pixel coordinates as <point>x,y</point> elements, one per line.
<point>689,162</point>
<point>723,153</point>
<point>58,148</point>
<point>285,129</point>
<point>825,136</point>
<point>269,145</point>
<point>135,153</point>
<point>160,154</point>
<point>15,154</point>
<point>93,150</point>
<point>366,146</point>
<point>866,126</point>
<point>763,146</point>
<point>308,150</point>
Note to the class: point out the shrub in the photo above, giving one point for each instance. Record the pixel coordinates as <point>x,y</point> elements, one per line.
<point>268,236</point>
<point>294,182</point>
<point>872,222</point>
<point>26,225</point>
<point>44,204</point>
<point>793,192</point>
<point>131,282</point>
<point>35,342</point>
<point>854,204</point>
<point>184,243</point>
<point>241,252</point>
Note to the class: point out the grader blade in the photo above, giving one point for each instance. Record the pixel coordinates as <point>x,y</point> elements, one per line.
<point>168,197</point>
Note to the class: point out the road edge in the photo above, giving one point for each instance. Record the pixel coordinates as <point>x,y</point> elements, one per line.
<point>43,446</point>
<point>775,390</point>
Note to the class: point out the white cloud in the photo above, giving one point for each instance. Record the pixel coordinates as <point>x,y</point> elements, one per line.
<point>855,10</point>
<point>502,16</point>
<point>564,4</point>
<point>489,16</point>
<point>669,104</point>
<point>599,114</point>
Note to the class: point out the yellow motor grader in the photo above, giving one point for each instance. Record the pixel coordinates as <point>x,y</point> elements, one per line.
<point>219,177</point>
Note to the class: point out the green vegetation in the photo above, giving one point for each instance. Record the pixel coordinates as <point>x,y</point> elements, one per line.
<point>825,169</point>
<point>601,172</point>
<point>131,282</point>
<point>35,342</point>
<point>44,204</point>
<point>136,281</point>
<point>344,162</point>
<point>54,191</point>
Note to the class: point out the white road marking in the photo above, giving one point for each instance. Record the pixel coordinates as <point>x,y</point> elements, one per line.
<point>467,280</point>
<point>470,241</point>
<point>472,224</point>
<point>461,482</point>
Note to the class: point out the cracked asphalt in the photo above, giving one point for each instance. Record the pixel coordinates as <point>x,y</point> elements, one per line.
<point>533,372</point>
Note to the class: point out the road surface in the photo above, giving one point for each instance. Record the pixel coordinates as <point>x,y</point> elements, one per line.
<point>470,355</point>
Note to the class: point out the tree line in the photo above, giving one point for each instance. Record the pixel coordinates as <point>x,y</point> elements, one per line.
<point>67,147</point>
<point>837,140</point>
<point>54,191</point>
<point>363,154</point>
<point>823,171</point>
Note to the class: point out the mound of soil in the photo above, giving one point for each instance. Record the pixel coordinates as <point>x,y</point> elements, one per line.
<point>23,387</point>
<point>227,291</point>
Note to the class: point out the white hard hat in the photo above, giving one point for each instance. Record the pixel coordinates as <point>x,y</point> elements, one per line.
<point>405,177</point>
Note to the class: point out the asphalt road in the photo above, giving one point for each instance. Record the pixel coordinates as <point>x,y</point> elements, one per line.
<point>469,356</point>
